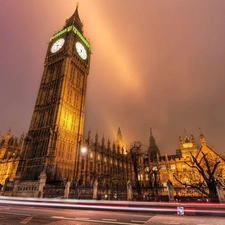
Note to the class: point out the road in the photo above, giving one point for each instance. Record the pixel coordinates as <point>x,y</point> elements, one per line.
<point>13,214</point>
<point>31,215</point>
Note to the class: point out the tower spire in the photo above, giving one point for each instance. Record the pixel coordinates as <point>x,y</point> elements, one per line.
<point>202,138</point>
<point>150,131</point>
<point>185,132</point>
<point>153,148</point>
<point>75,20</point>
<point>119,135</point>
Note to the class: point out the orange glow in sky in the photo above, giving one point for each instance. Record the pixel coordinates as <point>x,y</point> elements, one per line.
<point>155,63</point>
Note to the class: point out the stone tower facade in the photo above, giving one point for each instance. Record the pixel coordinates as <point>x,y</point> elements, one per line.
<point>57,123</point>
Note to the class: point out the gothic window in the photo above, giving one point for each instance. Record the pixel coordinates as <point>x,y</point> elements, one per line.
<point>99,168</point>
<point>78,79</point>
<point>58,67</point>
<point>52,69</point>
<point>82,164</point>
<point>104,169</point>
<point>68,93</point>
<point>72,73</point>
<point>76,100</point>
<point>91,166</point>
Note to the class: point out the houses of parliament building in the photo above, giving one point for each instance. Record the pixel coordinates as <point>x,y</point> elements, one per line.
<point>55,151</point>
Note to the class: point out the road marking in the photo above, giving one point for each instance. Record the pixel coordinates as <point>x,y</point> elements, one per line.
<point>57,217</point>
<point>138,221</point>
<point>66,218</point>
<point>80,218</point>
<point>17,214</point>
<point>109,219</point>
<point>170,223</point>
<point>96,221</point>
<point>26,220</point>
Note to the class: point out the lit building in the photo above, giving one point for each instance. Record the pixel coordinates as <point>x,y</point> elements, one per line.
<point>180,168</point>
<point>10,149</point>
<point>54,151</point>
<point>108,163</point>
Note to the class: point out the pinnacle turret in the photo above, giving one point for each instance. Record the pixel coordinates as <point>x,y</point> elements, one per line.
<point>202,138</point>
<point>153,148</point>
<point>75,20</point>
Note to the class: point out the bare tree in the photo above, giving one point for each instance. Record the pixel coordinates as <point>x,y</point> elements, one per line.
<point>154,178</point>
<point>208,168</point>
<point>135,153</point>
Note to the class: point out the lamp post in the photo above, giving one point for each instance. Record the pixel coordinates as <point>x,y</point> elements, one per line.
<point>84,151</point>
<point>76,174</point>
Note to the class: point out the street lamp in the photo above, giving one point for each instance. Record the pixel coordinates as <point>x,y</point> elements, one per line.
<point>83,150</point>
<point>85,158</point>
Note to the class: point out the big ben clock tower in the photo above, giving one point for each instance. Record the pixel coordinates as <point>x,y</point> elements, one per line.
<point>57,122</point>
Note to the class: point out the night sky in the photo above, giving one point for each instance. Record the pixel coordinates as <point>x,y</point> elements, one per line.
<point>155,63</point>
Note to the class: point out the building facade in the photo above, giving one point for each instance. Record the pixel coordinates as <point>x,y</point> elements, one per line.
<point>55,151</point>
<point>191,170</point>
<point>104,162</point>
<point>10,150</point>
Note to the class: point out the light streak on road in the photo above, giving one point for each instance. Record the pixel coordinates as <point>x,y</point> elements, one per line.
<point>156,207</point>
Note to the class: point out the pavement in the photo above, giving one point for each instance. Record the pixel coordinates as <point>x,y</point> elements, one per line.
<point>185,220</point>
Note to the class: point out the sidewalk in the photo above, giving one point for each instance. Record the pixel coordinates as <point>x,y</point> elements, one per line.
<point>185,220</point>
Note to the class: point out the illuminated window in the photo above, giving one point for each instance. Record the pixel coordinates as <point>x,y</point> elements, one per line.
<point>163,167</point>
<point>165,186</point>
<point>154,168</point>
<point>173,166</point>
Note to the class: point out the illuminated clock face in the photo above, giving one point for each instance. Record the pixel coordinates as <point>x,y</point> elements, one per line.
<point>57,45</point>
<point>81,50</point>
